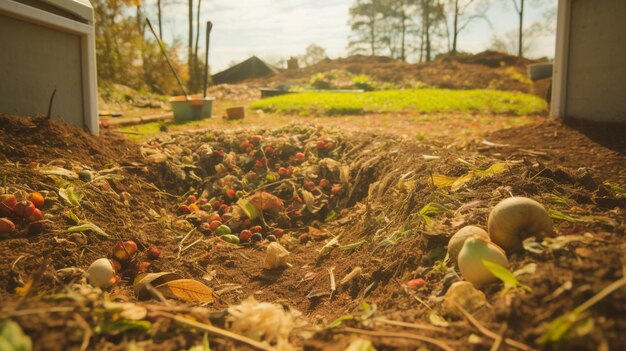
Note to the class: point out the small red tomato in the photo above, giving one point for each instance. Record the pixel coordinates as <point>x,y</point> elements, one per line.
<point>140,268</point>
<point>245,235</point>
<point>258,164</point>
<point>202,201</point>
<point>7,203</point>
<point>224,208</point>
<point>214,225</point>
<point>251,175</point>
<point>216,205</point>
<point>345,212</point>
<point>214,217</point>
<point>230,193</point>
<point>309,184</point>
<point>37,199</point>
<point>299,156</point>
<point>269,150</point>
<point>324,183</point>
<point>36,216</point>
<point>24,209</point>
<point>321,145</point>
<point>336,189</point>
<point>6,226</point>
<point>219,153</point>
<point>245,143</point>
<point>191,199</point>
<point>257,229</point>
<point>184,209</point>
<point>256,139</point>
<point>329,146</point>
<point>282,171</point>
<point>154,252</point>
<point>416,283</point>
<point>279,232</point>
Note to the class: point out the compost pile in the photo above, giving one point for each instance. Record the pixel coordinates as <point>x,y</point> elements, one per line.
<point>297,238</point>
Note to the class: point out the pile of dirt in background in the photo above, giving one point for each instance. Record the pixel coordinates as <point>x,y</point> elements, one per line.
<point>385,235</point>
<point>485,70</point>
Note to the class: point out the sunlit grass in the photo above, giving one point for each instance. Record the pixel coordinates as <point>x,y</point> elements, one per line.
<point>421,101</point>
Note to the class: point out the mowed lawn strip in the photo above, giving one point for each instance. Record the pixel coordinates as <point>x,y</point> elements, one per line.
<point>421,101</point>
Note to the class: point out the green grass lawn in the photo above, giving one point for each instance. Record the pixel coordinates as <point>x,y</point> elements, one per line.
<point>421,101</point>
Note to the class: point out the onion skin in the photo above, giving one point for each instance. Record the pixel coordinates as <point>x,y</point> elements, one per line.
<point>470,261</point>
<point>458,239</point>
<point>515,219</point>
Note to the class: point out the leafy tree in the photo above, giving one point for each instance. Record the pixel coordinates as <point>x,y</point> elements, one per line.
<point>314,54</point>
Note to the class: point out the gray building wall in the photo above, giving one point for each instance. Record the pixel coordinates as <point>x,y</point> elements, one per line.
<point>36,60</point>
<point>596,72</point>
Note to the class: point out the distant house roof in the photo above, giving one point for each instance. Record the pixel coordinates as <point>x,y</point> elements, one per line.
<point>253,67</point>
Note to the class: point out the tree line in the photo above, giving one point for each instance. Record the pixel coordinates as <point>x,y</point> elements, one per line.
<point>126,53</point>
<point>427,28</point>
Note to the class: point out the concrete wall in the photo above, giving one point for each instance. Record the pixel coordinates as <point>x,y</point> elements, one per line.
<point>596,63</point>
<point>34,61</point>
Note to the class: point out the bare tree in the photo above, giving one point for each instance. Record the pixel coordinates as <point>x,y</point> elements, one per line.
<point>364,16</point>
<point>190,56</point>
<point>463,13</point>
<point>160,18</point>
<point>314,54</point>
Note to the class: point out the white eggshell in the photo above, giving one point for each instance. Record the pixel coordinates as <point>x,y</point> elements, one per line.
<point>101,273</point>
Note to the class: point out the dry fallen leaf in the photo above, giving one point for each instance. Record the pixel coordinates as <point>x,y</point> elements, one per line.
<point>317,234</point>
<point>154,279</point>
<point>187,290</point>
<point>276,256</point>
<point>266,202</point>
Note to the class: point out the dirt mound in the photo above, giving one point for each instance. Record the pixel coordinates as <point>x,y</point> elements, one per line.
<point>382,219</point>
<point>490,58</point>
<point>27,140</point>
<point>600,147</point>
<point>486,70</point>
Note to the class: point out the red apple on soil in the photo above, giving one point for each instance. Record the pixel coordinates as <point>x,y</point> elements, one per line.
<point>124,251</point>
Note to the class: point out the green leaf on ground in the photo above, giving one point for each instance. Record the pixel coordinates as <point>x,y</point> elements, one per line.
<point>504,274</point>
<point>12,338</point>
<point>84,226</point>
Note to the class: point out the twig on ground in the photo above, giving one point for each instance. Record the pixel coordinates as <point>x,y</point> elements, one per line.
<point>442,345</point>
<point>498,341</point>
<point>410,325</point>
<point>333,285</point>
<point>217,331</point>
<point>87,331</point>
<point>488,333</point>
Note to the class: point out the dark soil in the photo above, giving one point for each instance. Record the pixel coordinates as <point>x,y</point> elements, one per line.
<point>389,182</point>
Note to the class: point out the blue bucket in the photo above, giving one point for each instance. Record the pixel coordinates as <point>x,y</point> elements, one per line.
<point>193,109</point>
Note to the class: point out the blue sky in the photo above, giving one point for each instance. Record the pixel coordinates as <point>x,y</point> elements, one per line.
<point>281,28</point>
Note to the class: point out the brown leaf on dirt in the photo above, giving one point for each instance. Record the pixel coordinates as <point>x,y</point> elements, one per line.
<point>317,234</point>
<point>155,279</point>
<point>187,290</point>
<point>266,202</point>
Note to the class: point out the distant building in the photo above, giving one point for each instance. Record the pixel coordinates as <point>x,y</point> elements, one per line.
<point>253,67</point>
<point>589,79</point>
